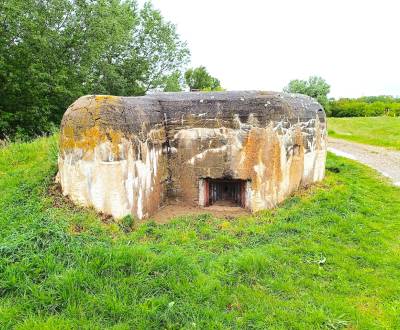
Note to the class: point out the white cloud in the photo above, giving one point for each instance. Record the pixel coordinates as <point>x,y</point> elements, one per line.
<point>262,44</point>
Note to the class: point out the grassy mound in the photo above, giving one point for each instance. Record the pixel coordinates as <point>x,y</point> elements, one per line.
<point>378,131</point>
<point>327,258</point>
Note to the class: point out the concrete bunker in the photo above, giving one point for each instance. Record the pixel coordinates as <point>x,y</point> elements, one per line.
<point>132,155</point>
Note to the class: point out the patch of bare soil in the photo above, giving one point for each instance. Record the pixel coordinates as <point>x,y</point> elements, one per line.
<point>219,210</point>
<point>59,200</point>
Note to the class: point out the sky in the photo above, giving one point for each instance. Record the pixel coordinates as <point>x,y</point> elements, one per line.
<point>261,44</point>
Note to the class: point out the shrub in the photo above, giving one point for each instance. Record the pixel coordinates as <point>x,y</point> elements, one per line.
<point>369,106</point>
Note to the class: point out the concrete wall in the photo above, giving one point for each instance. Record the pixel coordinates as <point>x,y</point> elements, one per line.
<point>130,155</point>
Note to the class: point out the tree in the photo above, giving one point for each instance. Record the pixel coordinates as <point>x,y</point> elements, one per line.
<point>173,82</point>
<point>315,87</point>
<point>157,44</point>
<point>200,79</point>
<point>52,52</point>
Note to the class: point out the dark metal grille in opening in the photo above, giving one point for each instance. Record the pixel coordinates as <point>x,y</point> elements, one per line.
<point>225,191</point>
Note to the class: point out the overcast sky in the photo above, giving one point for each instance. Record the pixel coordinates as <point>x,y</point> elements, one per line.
<point>262,44</point>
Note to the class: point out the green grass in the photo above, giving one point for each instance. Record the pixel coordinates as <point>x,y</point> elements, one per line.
<point>327,258</point>
<point>378,131</point>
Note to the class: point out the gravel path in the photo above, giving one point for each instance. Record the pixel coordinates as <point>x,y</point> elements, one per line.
<point>385,161</point>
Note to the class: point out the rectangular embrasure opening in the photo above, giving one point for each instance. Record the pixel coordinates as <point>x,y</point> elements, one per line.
<point>226,192</point>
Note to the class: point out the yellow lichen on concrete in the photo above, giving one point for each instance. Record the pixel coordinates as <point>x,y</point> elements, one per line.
<point>157,136</point>
<point>90,139</point>
<point>67,138</point>
<point>109,99</point>
<point>116,138</point>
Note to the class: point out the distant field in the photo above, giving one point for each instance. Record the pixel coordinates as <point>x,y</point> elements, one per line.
<point>379,131</point>
<point>327,258</point>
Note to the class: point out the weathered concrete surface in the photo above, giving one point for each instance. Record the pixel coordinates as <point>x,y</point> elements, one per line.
<point>129,155</point>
